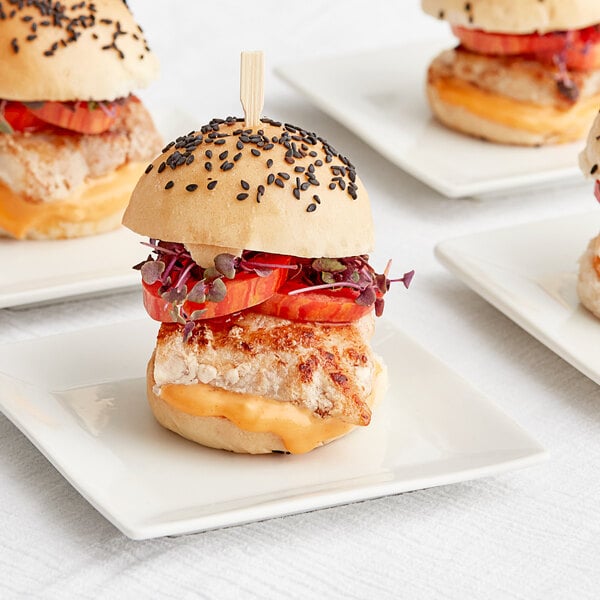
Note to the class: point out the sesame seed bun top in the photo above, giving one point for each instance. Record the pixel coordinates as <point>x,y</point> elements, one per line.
<point>74,51</point>
<point>509,16</point>
<point>277,189</point>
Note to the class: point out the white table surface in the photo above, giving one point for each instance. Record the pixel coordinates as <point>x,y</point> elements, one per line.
<point>528,534</point>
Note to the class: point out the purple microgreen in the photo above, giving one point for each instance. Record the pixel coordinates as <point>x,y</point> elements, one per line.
<point>262,271</point>
<point>107,110</point>
<point>197,314</point>
<point>225,264</point>
<point>332,265</point>
<point>188,328</point>
<point>175,295</point>
<point>198,293</point>
<point>216,291</point>
<point>34,105</point>
<point>367,297</point>
<point>152,271</point>
<point>211,273</point>
<point>406,279</point>
<point>327,277</point>
<point>4,124</point>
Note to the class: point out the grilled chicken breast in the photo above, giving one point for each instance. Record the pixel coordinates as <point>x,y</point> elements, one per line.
<point>325,368</point>
<point>48,167</point>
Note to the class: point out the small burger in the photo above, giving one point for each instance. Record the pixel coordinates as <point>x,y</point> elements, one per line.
<point>588,285</point>
<point>525,72</point>
<point>260,277</point>
<point>73,140</point>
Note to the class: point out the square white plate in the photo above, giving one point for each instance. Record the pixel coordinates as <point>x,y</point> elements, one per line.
<point>529,272</point>
<point>85,409</point>
<point>35,272</point>
<point>380,96</point>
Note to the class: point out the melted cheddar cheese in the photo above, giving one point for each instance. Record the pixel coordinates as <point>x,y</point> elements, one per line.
<point>97,200</point>
<point>299,428</point>
<point>570,124</point>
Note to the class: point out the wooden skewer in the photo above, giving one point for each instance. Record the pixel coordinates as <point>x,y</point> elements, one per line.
<point>252,87</point>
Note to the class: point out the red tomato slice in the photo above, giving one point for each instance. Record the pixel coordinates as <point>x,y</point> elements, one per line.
<point>244,291</point>
<point>581,47</point>
<point>20,118</point>
<point>77,116</point>
<point>321,306</point>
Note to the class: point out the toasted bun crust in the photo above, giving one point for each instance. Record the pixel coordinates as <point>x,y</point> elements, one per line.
<point>524,16</point>
<point>589,158</point>
<point>221,433</point>
<point>588,285</point>
<point>279,189</point>
<point>73,54</point>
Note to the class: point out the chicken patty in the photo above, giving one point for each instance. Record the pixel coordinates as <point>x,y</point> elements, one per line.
<point>326,368</point>
<point>48,167</point>
<point>517,78</point>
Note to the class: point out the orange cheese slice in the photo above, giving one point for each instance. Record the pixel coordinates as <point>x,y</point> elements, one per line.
<point>299,428</point>
<point>97,200</point>
<point>573,123</point>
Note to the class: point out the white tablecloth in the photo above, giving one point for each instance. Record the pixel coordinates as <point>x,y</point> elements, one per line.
<point>528,534</point>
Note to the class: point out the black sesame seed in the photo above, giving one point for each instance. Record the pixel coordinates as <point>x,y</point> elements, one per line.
<point>312,153</point>
<point>297,193</point>
<point>261,189</point>
<point>311,208</point>
<point>284,176</point>
<point>299,169</point>
<point>169,185</point>
<point>191,187</point>
<point>319,163</point>
<point>239,145</point>
<point>269,163</point>
<point>162,167</point>
<point>332,186</point>
<point>594,169</point>
<point>208,166</point>
<point>245,184</point>
<point>289,160</point>
<point>304,186</point>
<point>241,196</point>
<point>219,142</point>
<point>223,155</point>
<point>279,183</point>
<point>317,199</point>
<point>149,168</point>
<point>212,185</point>
<point>208,154</point>
<point>190,159</point>
<point>255,152</point>
<point>237,156</point>
<point>270,179</point>
<point>226,166</point>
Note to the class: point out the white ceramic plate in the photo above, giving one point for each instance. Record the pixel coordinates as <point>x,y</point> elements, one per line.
<point>36,272</point>
<point>529,272</point>
<point>85,409</point>
<point>380,96</point>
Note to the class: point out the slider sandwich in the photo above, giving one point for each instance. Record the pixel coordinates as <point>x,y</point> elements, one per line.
<point>525,72</point>
<point>588,285</point>
<point>73,138</point>
<point>259,275</point>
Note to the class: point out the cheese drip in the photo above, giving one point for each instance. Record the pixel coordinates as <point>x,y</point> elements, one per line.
<point>570,124</point>
<point>299,428</point>
<point>98,199</point>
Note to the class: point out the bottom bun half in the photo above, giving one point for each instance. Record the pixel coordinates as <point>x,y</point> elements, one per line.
<point>222,433</point>
<point>588,285</point>
<point>94,208</point>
